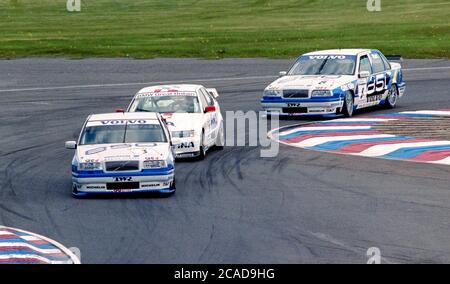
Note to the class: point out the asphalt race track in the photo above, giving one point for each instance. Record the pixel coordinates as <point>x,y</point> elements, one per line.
<point>301,206</point>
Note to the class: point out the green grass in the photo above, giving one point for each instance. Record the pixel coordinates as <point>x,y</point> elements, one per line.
<point>221,28</point>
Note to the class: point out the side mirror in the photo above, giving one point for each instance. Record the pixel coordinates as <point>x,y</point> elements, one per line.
<point>282,73</point>
<point>210,109</point>
<point>71,145</point>
<point>364,74</point>
<point>120,110</point>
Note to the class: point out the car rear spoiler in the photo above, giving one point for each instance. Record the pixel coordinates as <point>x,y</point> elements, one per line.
<point>213,92</point>
<point>394,57</point>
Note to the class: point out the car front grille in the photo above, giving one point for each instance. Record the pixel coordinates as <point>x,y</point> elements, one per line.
<point>121,166</point>
<point>295,94</point>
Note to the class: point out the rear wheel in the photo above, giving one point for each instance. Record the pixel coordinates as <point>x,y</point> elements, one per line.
<point>347,109</point>
<point>392,98</point>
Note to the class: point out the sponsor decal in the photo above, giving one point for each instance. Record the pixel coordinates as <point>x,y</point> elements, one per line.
<point>150,185</point>
<point>95,187</point>
<point>122,179</point>
<point>185,145</point>
<point>166,94</point>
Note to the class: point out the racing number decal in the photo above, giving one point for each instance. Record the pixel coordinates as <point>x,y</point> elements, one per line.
<point>376,88</point>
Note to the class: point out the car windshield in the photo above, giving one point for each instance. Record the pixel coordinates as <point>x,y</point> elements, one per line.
<point>166,104</point>
<point>124,133</point>
<point>324,65</point>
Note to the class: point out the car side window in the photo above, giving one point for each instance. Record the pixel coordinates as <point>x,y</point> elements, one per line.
<point>209,99</point>
<point>202,99</point>
<point>387,65</point>
<point>364,64</point>
<point>377,63</point>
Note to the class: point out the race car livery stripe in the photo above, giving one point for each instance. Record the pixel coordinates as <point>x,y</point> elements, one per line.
<point>361,137</point>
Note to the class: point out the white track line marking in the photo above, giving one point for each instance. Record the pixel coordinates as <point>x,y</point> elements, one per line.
<point>22,244</point>
<point>381,150</point>
<point>302,129</point>
<point>430,112</point>
<point>311,142</point>
<point>134,84</point>
<point>445,161</point>
<point>172,82</point>
<point>31,256</point>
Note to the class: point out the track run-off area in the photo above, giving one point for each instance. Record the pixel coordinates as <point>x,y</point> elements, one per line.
<point>233,207</point>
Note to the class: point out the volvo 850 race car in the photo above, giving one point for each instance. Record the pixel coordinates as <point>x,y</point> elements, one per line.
<point>192,114</point>
<point>335,82</point>
<point>122,153</point>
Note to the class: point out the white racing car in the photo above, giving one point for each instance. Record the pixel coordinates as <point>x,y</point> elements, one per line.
<point>192,114</point>
<point>123,153</point>
<point>335,82</point>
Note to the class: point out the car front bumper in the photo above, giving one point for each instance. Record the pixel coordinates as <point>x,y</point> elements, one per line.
<point>186,147</point>
<point>302,107</point>
<point>99,182</point>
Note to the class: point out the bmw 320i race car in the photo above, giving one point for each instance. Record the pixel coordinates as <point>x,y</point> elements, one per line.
<point>192,114</point>
<point>335,82</point>
<point>122,153</point>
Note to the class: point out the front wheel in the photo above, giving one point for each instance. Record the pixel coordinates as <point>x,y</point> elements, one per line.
<point>220,139</point>
<point>392,98</point>
<point>349,104</point>
<point>202,147</point>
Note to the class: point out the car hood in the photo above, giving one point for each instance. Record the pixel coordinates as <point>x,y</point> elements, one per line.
<point>184,121</point>
<point>123,152</point>
<point>321,82</point>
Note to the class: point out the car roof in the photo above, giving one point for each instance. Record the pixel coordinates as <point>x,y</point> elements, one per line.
<point>124,115</point>
<point>177,87</point>
<point>339,52</point>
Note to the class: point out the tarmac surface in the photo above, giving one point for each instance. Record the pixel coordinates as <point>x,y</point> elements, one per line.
<point>234,207</point>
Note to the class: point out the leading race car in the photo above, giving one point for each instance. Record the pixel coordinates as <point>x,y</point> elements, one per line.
<point>192,113</point>
<point>123,153</point>
<point>335,82</point>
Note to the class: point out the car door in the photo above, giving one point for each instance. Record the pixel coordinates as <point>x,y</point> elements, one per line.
<point>206,118</point>
<point>211,117</point>
<point>365,64</point>
<point>378,83</point>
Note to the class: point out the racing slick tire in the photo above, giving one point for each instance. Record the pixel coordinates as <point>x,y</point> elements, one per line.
<point>349,103</point>
<point>220,139</point>
<point>202,154</point>
<point>392,98</point>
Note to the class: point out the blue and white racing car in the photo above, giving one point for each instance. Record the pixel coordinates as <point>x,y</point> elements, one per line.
<point>335,82</point>
<point>123,153</point>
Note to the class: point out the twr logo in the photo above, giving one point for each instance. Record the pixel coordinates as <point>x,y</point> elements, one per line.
<point>118,179</point>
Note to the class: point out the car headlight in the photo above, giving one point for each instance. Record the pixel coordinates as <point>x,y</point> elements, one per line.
<point>91,166</point>
<point>155,164</point>
<point>183,134</point>
<point>273,93</point>
<point>321,93</point>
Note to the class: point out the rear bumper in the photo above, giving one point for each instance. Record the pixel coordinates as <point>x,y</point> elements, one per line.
<point>303,107</point>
